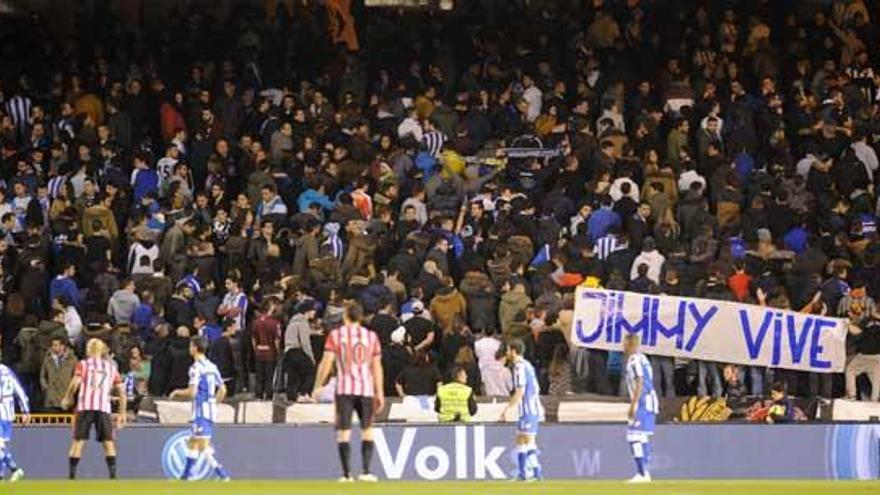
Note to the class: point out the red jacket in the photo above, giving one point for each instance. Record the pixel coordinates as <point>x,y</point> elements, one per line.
<point>171,120</point>
<point>739,284</point>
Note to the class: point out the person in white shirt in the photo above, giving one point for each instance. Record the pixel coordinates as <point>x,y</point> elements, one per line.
<point>485,347</point>
<point>616,193</point>
<point>165,166</point>
<point>410,126</point>
<point>496,377</point>
<point>533,96</point>
<point>20,206</point>
<point>581,217</point>
<point>72,321</point>
<point>689,177</point>
<point>651,257</point>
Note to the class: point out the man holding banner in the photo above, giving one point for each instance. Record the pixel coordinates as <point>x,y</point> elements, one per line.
<point>709,330</point>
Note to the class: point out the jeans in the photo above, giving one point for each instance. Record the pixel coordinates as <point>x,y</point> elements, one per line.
<point>709,368</point>
<point>590,372</point>
<point>821,385</point>
<point>263,388</point>
<point>664,375</point>
<point>300,373</point>
<point>756,376</point>
<point>242,356</point>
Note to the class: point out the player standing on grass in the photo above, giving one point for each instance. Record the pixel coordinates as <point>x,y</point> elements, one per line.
<point>644,406</point>
<point>356,352</point>
<point>94,379</point>
<point>10,391</point>
<point>206,388</point>
<point>526,399</point>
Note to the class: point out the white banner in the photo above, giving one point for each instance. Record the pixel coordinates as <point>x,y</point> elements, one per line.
<point>720,331</point>
<point>850,410</point>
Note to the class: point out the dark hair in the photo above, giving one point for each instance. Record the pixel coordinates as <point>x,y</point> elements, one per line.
<point>778,386</point>
<point>200,343</point>
<point>456,370</point>
<point>354,312</point>
<point>420,358</point>
<point>517,346</point>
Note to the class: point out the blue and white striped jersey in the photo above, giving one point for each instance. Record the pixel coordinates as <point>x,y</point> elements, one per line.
<point>10,391</point>
<point>524,377</point>
<point>237,300</point>
<point>433,142</point>
<point>638,366</point>
<point>606,245</point>
<point>205,377</point>
<point>19,110</point>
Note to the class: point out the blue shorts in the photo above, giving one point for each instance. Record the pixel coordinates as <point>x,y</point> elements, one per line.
<point>202,428</point>
<point>643,423</point>
<point>5,430</point>
<point>528,425</point>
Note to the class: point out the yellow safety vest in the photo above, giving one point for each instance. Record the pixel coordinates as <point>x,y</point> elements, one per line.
<point>454,402</point>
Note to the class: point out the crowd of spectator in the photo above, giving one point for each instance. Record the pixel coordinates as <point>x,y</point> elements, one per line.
<point>243,178</point>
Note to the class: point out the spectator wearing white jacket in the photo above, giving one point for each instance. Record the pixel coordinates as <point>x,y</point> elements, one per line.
<point>651,257</point>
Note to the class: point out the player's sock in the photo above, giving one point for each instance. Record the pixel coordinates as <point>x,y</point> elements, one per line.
<point>646,447</point>
<point>522,457</point>
<point>534,462</point>
<point>344,457</point>
<point>191,457</point>
<point>73,462</point>
<point>638,453</point>
<point>111,466</point>
<point>8,460</point>
<point>367,447</point>
<point>219,470</point>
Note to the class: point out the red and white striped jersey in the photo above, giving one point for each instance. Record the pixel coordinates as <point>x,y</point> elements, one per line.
<point>355,348</point>
<point>98,377</point>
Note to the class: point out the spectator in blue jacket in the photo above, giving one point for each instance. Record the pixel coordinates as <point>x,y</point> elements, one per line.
<point>144,180</point>
<point>602,219</point>
<point>314,194</point>
<point>65,286</point>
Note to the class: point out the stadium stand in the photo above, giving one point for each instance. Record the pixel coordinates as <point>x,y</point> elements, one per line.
<point>458,177</point>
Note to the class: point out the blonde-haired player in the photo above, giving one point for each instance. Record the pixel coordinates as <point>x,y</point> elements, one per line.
<point>94,380</point>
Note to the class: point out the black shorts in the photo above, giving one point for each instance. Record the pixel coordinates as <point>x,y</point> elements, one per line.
<point>348,404</point>
<point>103,423</point>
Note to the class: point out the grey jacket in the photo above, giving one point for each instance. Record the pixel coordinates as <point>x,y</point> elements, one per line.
<point>121,306</point>
<point>298,335</point>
